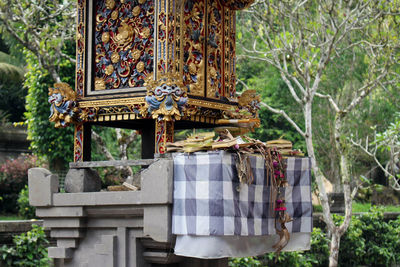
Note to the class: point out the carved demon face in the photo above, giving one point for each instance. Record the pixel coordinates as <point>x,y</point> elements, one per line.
<point>56,99</point>
<point>168,90</point>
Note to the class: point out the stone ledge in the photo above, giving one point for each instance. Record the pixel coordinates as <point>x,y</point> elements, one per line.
<point>60,253</point>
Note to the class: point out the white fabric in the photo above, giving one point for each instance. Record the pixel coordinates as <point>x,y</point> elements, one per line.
<point>213,247</point>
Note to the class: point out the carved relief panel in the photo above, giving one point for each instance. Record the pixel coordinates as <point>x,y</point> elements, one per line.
<point>121,43</point>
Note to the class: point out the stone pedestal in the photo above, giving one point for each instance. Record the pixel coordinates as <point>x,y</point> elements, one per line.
<point>127,228</point>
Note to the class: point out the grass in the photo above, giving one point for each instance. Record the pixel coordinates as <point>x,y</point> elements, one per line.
<point>363,207</point>
<point>10,217</point>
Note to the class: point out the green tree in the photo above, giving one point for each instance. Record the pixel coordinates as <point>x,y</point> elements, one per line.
<point>45,31</point>
<point>12,92</point>
<point>301,39</point>
<point>56,145</point>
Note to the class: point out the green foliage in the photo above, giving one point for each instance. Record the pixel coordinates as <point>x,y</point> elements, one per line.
<point>241,262</point>
<point>52,144</point>
<point>12,92</point>
<point>268,83</point>
<point>113,176</point>
<point>395,227</point>
<point>380,239</point>
<point>13,178</point>
<point>10,218</point>
<point>369,241</point>
<point>30,249</point>
<point>365,207</point>
<point>316,256</point>
<point>24,209</point>
<point>287,259</point>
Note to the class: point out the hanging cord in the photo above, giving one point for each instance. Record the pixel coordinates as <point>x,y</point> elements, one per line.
<point>275,171</point>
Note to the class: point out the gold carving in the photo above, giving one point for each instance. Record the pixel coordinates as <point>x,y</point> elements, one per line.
<point>115,57</point>
<point>208,104</point>
<point>124,36</point>
<point>127,35</point>
<point>136,54</point>
<point>192,68</point>
<point>249,104</point>
<point>193,24</point>
<point>110,4</point>
<point>166,97</point>
<point>140,66</point>
<point>136,11</point>
<point>146,33</point>
<point>248,97</point>
<point>213,72</point>
<point>105,37</point>
<point>99,84</point>
<point>63,104</point>
<point>215,43</point>
<point>114,14</point>
<point>109,69</point>
<point>111,102</point>
<point>142,1</point>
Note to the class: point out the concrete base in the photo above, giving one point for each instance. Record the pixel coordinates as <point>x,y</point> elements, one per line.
<point>127,228</point>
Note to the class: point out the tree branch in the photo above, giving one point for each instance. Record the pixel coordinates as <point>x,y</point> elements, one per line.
<point>284,114</point>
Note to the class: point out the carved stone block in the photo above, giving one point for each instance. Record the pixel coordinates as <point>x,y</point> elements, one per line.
<point>42,185</point>
<point>82,180</point>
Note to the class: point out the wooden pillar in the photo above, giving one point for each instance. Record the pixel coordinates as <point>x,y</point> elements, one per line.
<point>164,133</point>
<point>82,142</point>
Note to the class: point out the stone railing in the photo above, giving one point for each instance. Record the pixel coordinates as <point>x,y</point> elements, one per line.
<point>13,142</point>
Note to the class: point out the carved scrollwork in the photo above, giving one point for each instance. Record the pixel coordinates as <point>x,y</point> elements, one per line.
<point>124,43</point>
<point>250,100</point>
<point>166,98</point>
<point>249,104</point>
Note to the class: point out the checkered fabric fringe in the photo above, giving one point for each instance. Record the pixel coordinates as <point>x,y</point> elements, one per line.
<point>210,200</point>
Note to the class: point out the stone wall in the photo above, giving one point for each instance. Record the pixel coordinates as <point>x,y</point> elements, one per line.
<point>125,228</point>
<point>13,142</point>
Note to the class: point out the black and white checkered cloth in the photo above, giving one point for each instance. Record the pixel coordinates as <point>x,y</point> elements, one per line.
<point>210,200</point>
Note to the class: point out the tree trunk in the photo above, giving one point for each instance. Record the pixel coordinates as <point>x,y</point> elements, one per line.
<point>319,176</point>
<point>334,248</point>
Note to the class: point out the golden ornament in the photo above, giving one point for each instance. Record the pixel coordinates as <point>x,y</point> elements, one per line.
<point>125,35</point>
<point>105,37</point>
<point>136,54</point>
<point>115,57</point>
<point>99,84</point>
<point>146,33</point>
<point>136,11</point>
<point>110,4</point>
<point>213,72</point>
<point>140,66</point>
<point>109,69</point>
<point>114,15</point>
<point>192,68</point>
<point>142,1</point>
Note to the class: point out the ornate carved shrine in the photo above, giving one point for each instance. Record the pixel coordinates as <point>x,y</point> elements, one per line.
<point>152,65</point>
